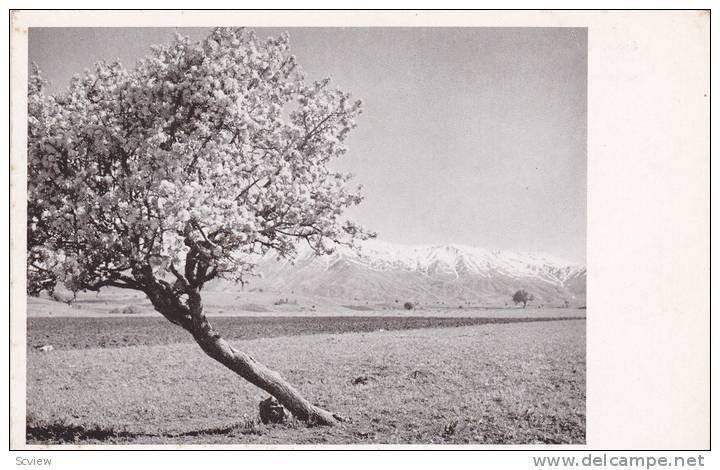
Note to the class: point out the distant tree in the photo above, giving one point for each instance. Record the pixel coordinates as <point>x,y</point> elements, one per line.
<point>522,297</point>
<point>164,177</point>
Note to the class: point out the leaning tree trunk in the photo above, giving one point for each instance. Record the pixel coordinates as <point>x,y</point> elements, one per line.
<point>191,317</point>
<point>258,374</point>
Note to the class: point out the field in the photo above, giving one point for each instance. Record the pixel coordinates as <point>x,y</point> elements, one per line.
<point>121,303</point>
<point>395,379</point>
<point>102,332</point>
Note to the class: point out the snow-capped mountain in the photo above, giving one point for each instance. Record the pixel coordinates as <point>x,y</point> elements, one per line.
<point>431,274</point>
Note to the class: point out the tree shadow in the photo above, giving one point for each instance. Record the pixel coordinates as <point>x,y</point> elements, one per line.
<point>60,432</point>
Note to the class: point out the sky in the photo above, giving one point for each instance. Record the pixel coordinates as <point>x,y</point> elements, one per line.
<point>473,136</point>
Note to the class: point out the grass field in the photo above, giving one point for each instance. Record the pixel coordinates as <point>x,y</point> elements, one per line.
<point>510,383</point>
<point>118,303</point>
<point>101,332</point>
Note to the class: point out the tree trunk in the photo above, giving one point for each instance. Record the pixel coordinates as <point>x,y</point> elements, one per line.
<point>258,374</point>
<point>190,316</point>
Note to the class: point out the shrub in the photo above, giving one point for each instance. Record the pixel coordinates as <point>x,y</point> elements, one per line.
<point>128,309</point>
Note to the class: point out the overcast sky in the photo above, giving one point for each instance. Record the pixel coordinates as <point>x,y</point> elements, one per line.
<point>474,136</point>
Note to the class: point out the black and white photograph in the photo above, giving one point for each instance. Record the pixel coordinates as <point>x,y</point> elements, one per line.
<point>397,231</point>
<point>306,235</point>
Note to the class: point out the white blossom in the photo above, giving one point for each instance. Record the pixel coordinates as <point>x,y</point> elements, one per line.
<point>219,146</point>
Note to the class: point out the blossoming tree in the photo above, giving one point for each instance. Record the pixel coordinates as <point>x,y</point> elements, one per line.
<point>180,171</point>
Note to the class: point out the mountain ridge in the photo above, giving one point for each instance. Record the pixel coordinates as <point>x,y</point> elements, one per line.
<point>429,274</point>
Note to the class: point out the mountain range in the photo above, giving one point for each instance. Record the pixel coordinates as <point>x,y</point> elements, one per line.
<point>428,274</point>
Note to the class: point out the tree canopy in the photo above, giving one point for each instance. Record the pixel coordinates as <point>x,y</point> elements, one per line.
<point>185,167</point>
<point>522,297</point>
